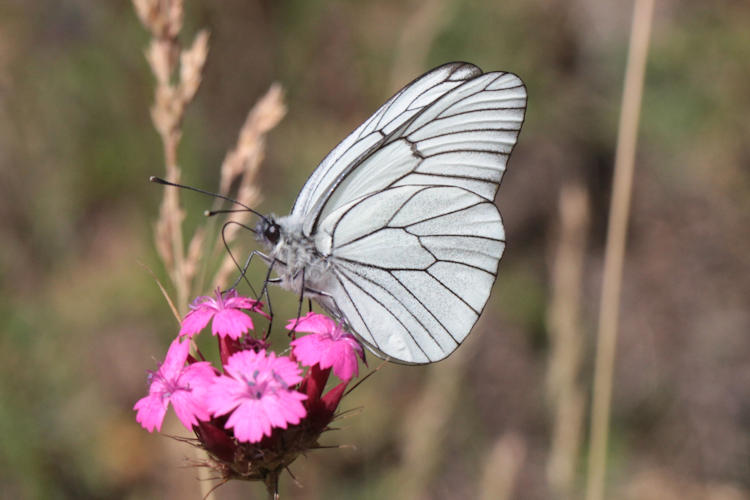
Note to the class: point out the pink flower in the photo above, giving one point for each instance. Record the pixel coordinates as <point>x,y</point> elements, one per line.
<point>183,386</point>
<point>226,311</point>
<point>328,346</point>
<point>258,394</point>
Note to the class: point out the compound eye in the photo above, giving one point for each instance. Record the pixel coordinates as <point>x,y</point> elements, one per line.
<point>271,233</point>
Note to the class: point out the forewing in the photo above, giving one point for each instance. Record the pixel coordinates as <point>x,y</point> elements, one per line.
<point>387,122</point>
<point>438,131</point>
<point>412,281</point>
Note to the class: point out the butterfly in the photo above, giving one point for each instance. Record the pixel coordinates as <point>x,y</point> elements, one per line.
<point>396,233</point>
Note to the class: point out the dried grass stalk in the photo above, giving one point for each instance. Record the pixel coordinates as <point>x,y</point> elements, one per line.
<point>265,115</point>
<point>243,163</point>
<point>178,73</point>
<point>614,254</point>
<point>163,18</point>
<point>191,66</point>
<point>170,62</point>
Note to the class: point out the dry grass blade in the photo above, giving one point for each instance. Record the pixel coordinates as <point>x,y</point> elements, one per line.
<point>164,293</point>
<point>163,18</point>
<point>265,115</point>
<point>178,73</point>
<point>191,66</point>
<point>615,250</point>
<point>243,163</point>
<point>362,379</point>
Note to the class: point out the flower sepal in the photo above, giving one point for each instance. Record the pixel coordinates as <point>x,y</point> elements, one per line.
<point>321,409</point>
<point>215,440</point>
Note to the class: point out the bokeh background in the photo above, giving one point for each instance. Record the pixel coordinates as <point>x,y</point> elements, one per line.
<point>81,320</point>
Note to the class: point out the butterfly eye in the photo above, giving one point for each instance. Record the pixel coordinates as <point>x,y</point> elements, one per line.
<point>271,232</point>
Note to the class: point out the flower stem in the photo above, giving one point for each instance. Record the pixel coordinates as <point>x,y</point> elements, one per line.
<point>272,484</point>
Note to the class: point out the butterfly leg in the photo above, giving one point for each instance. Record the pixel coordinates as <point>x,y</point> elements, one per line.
<point>264,290</point>
<point>243,271</point>
<point>328,304</point>
<point>244,268</point>
<point>299,302</point>
<point>305,292</point>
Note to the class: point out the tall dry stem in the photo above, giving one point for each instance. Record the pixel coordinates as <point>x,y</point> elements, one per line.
<point>165,55</point>
<point>565,391</point>
<point>243,163</point>
<point>173,92</point>
<point>615,249</point>
<point>178,72</point>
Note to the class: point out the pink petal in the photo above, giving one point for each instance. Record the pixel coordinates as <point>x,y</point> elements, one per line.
<point>320,349</point>
<point>255,415</point>
<point>195,321</point>
<point>175,359</point>
<point>245,362</point>
<point>199,375</point>
<point>340,357</point>
<point>151,410</point>
<point>287,369</point>
<point>190,404</point>
<point>307,349</point>
<point>312,323</point>
<point>203,301</point>
<point>243,303</point>
<point>250,422</point>
<point>222,397</point>
<point>231,322</point>
<point>186,410</point>
<point>346,366</point>
<point>293,407</point>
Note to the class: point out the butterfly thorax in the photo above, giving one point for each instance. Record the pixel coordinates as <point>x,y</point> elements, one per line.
<point>296,261</point>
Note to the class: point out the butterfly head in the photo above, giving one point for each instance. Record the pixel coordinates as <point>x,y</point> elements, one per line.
<point>268,231</point>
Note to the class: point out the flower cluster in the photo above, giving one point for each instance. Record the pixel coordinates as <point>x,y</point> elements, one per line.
<point>258,412</point>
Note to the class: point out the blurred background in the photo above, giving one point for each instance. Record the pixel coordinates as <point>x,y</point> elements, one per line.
<point>81,319</point>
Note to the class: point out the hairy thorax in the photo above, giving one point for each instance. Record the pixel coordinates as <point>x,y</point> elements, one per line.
<point>296,260</point>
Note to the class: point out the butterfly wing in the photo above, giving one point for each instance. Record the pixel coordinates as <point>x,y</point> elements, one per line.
<point>385,123</point>
<point>403,208</point>
<point>413,268</point>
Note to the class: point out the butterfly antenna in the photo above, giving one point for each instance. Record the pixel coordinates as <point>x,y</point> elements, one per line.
<point>211,213</point>
<point>164,182</point>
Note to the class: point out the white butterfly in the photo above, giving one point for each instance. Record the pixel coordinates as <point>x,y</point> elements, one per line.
<point>396,233</point>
